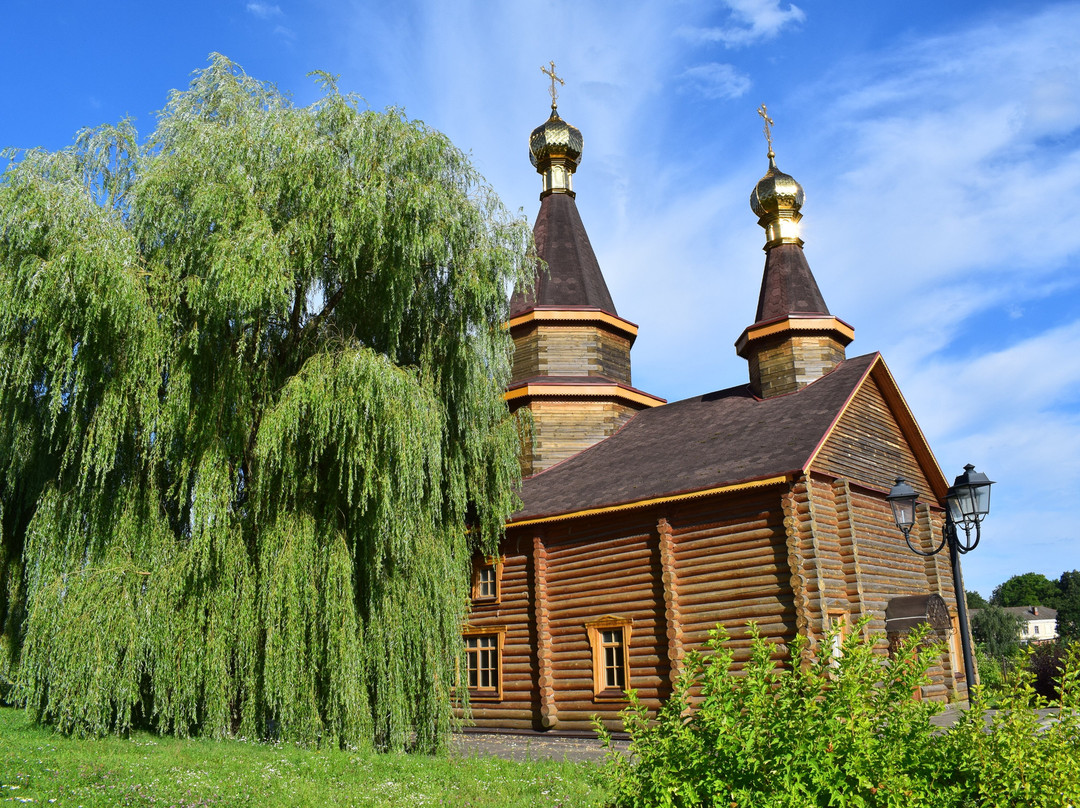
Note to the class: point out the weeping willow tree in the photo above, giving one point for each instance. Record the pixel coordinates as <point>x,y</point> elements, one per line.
<point>251,425</point>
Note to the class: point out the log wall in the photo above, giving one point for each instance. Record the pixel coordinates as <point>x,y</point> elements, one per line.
<point>792,557</point>
<point>862,549</point>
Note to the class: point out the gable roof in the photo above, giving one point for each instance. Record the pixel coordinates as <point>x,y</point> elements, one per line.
<point>721,439</point>
<point>1027,613</point>
<point>573,277</point>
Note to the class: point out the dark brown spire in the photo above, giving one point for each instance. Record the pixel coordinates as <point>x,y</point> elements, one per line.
<point>788,285</point>
<point>794,339</point>
<point>571,349</point>
<point>573,277</point>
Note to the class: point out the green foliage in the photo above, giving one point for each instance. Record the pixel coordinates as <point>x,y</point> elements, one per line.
<point>251,425</point>
<point>1068,607</point>
<point>993,671</point>
<point>996,630</point>
<point>975,600</point>
<point>1016,757</point>
<point>1029,589</point>
<point>38,767</point>
<point>840,731</point>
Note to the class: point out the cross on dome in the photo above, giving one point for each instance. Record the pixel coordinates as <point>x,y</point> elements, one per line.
<point>764,113</point>
<point>551,74</point>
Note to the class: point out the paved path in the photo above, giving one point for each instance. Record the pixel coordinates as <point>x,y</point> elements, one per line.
<point>531,747</point>
<point>536,746</point>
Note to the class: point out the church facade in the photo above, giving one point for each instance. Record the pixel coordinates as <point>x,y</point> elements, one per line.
<point>645,524</point>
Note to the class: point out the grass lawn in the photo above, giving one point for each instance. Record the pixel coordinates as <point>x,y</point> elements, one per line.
<point>39,767</point>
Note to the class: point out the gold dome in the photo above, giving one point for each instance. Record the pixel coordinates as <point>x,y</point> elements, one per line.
<point>555,151</point>
<point>777,200</point>
<point>776,192</point>
<point>555,138</point>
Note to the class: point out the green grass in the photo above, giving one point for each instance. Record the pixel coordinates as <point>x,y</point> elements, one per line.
<point>40,767</point>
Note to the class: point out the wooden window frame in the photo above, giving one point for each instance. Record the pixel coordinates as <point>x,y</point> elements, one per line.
<point>489,562</point>
<point>843,617</point>
<point>595,628</point>
<point>956,650</point>
<point>499,633</point>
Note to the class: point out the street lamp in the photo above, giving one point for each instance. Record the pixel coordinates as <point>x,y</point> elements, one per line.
<point>967,504</point>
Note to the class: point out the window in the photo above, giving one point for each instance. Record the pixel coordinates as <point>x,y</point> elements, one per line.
<point>838,626</point>
<point>609,638</point>
<point>483,662</point>
<point>486,580</point>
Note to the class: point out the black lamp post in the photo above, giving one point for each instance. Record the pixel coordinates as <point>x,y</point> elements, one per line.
<point>967,504</point>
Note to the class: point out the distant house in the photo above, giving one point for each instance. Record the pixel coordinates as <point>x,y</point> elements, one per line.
<point>1040,623</point>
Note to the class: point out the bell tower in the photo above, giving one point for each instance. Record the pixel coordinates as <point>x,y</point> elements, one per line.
<point>571,348</point>
<point>794,339</point>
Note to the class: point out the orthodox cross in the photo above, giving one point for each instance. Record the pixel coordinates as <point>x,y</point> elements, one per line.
<point>551,74</point>
<point>764,113</point>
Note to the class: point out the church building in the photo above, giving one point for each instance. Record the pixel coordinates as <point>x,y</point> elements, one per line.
<point>644,524</point>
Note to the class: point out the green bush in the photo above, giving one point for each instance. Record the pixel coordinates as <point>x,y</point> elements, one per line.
<point>840,731</point>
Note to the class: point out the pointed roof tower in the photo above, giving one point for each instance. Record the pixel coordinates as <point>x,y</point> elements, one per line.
<point>794,339</point>
<point>571,348</point>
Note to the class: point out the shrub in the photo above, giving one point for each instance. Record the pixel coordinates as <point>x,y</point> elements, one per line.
<point>1046,663</point>
<point>843,731</point>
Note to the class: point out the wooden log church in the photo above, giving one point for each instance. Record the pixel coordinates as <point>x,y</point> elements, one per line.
<point>644,524</point>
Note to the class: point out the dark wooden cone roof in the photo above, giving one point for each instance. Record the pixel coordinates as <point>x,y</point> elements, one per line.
<point>573,278</point>
<point>788,285</point>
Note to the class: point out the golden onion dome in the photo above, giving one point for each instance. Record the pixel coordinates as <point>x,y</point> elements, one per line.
<point>555,138</point>
<point>775,193</point>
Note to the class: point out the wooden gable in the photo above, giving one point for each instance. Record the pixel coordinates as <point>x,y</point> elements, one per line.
<point>876,439</point>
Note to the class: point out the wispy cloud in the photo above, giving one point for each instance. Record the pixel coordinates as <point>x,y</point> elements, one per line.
<point>264,11</point>
<point>939,171</point>
<point>749,21</point>
<point>717,81</point>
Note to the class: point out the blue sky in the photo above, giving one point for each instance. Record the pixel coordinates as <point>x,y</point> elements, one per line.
<point>938,143</point>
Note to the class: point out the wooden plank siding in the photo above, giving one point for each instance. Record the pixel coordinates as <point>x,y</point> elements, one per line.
<point>851,473</point>
<point>562,428</point>
<point>570,350</point>
<point>868,447</point>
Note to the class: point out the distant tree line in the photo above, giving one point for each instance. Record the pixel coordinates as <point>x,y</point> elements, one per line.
<point>1035,589</point>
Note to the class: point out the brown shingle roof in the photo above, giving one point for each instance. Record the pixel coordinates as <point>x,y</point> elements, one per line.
<point>712,440</point>
<point>573,277</point>
<point>788,285</point>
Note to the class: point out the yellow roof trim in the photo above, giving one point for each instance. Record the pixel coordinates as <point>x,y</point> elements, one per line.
<point>583,390</point>
<point>643,503</point>
<point>830,323</point>
<point>564,315</point>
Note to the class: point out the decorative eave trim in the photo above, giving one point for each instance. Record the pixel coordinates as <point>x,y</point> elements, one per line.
<point>613,390</point>
<point>643,503</point>
<point>586,314</point>
<point>890,391</point>
<point>794,322</point>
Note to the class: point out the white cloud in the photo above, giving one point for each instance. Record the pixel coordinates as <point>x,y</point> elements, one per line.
<point>264,11</point>
<point>717,81</point>
<point>940,173</point>
<point>754,21</point>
